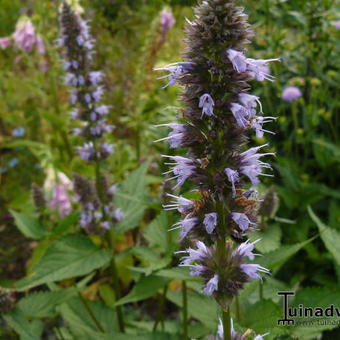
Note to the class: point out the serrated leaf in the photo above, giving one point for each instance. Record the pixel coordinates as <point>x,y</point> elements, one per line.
<point>316,297</point>
<point>65,224</point>
<point>150,258</point>
<point>330,237</point>
<point>146,287</point>
<point>73,255</point>
<point>270,238</point>
<point>200,307</point>
<point>261,316</point>
<point>28,225</point>
<point>28,330</point>
<point>130,198</point>
<point>80,320</point>
<point>180,273</point>
<point>43,304</point>
<point>275,259</point>
<point>156,232</point>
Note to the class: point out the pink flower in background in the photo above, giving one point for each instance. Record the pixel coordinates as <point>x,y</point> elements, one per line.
<point>40,45</point>
<point>24,35</point>
<point>337,25</point>
<point>167,20</point>
<point>60,200</point>
<point>291,93</point>
<point>5,42</point>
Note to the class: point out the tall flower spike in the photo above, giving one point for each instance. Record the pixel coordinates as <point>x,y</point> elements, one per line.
<point>218,115</point>
<point>86,91</point>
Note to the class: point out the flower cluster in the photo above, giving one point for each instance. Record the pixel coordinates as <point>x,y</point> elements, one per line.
<point>24,37</point>
<point>95,197</point>
<point>97,214</point>
<point>86,89</point>
<point>217,116</point>
<point>166,20</point>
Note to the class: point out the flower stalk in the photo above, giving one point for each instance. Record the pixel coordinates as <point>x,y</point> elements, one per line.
<point>219,114</point>
<point>98,213</point>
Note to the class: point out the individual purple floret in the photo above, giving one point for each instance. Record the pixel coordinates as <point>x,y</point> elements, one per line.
<point>177,70</point>
<point>210,222</point>
<point>211,286</point>
<point>253,270</point>
<point>182,169</point>
<point>206,103</point>
<point>241,220</point>
<point>180,203</point>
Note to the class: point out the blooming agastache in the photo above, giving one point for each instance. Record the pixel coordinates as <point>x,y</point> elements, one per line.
<point>218,114</point>
<point>86,91</point>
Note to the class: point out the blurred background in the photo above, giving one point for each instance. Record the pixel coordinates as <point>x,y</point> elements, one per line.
<point>132,38</point>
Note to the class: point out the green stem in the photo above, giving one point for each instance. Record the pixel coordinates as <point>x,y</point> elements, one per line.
<point>59,333</point>
<point>226,324</point>
<point>116,285</point>
<point>261,290</point>
<point>238,308</point>
<point>93,317</point>
<point>160,316</point>
<point>185,310</point>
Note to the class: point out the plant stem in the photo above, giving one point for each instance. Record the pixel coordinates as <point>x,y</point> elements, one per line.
<point>261,290</point>
<point>116,285</point>
<point>93,317</point>
<point>238,308</point>
<point>59,333</point>
<point>185,310</point>
<point>226,324</point>
<point>160,317</point>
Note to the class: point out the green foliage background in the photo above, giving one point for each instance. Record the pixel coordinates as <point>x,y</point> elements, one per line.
<point>300,237</point>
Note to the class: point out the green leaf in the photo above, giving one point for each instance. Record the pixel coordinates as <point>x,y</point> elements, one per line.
<point>65,224</point>
<point>178,273</point>
<point>334,149</point>
<point>107,294</point>
<point>28,225</point>
<point>270,238</point>
<point>151,259</point>
<point>262,316</point>
<point>200,307</point>
<point>147,286</point>
<point>130,198</point>
<point>329,236</point>
<point>316,297</point>
<point>156,233</point>
<point>43,304</point>
<point>72,256</point>
<point>80,320</point>
<point>275,259</point>
<point>28,330</point>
